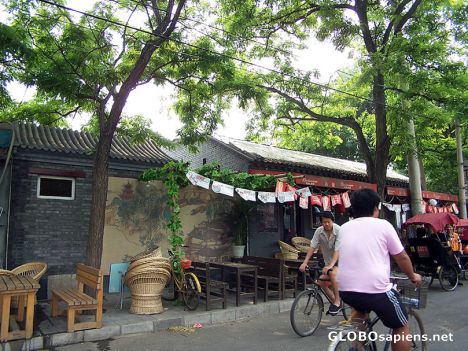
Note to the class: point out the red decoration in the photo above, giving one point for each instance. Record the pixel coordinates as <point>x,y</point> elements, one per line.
<point>346,201</point>
<point>336,200</point>
<point>316,200</point>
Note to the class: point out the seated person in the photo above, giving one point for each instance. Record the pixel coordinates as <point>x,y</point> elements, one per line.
<point>327,238</point>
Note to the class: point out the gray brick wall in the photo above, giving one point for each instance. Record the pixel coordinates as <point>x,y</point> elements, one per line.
<point>52,230</point>
<point>48,230</point>
<point>212,151</point>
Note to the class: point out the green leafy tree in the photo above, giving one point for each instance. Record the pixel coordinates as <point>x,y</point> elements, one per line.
<point>394,40</point>
<point>92,63</point>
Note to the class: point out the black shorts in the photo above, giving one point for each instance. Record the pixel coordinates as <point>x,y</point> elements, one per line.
<point>387,306</point>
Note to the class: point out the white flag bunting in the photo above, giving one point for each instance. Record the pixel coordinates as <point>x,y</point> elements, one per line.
<point>222,188</point>
<point>304,192</point>
<point>198,179</point>
<point>267,197</point>
<point>286,196</point>
<point>248,195</point>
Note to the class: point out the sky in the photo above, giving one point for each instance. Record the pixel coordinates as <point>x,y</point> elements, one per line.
<point>155,102</point>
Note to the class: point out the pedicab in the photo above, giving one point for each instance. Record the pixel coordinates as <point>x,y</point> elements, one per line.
<point>429,247</point>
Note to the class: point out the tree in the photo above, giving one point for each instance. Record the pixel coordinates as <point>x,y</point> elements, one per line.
<point>394,37</point>
<point>93,62</point>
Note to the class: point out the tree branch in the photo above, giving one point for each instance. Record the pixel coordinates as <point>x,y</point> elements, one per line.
<point>361,11</point>
<point>407,16</point>
<point>397,12</point>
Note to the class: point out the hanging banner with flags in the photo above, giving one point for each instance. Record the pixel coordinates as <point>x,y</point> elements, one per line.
<point>316,200</point>
<point>346,200</point>
<point>267,197</point>
<point>248,195</point>
<point>221,188</point>
<point>286,196</point>
<point>304,192</point>
<point>304,202</point>
<point>335,199</point>
<point>198,179</point>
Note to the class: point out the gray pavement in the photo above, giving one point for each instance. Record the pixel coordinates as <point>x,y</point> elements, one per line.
<point>446,313</point>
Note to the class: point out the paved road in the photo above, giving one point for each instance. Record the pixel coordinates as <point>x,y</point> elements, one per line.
<point>447,313</point>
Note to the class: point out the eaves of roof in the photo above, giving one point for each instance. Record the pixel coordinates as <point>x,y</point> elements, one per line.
<point>51,139</point>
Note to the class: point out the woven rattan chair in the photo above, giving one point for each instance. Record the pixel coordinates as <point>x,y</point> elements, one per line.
<point>33,270</point>
<point>6,272</point>
<point>301,243</point>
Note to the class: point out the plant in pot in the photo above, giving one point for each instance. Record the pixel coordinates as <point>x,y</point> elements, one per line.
<point>242,228</point>
<point>240,239</point>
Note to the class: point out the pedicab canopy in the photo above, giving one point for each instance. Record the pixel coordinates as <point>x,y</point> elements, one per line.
<point>436,221</point>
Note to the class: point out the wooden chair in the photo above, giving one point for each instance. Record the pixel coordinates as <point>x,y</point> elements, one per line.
<point>212,290</point>
<point>270,274</point>
<point>76,300</point>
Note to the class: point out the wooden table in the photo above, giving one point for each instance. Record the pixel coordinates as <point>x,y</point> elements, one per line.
<point>25,289</point>
<point>238,269</point>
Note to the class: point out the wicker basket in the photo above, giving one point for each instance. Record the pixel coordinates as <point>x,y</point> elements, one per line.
<point>148,253</point>
<point>146,287</point>
<point>288,252</point>
<point>300,243</point>
<point>148,262</point>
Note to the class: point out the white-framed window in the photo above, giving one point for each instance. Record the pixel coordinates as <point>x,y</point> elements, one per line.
<point>61,188</point>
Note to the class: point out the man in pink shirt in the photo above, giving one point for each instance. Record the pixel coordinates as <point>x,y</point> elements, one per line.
<point>366,244</point>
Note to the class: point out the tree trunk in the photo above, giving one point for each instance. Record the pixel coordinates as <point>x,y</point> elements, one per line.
<point>382,141</point>
<point>98,200</point>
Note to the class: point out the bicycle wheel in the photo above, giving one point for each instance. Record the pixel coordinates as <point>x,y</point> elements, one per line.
<point>448,278</point>
<point>417,331</point>
<point>306,312</point>
<point>191,295</point>
<point>170,292</point>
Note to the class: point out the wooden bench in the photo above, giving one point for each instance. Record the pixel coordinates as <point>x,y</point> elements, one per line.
<point>270,274</point>
<point>212,290</point>
<point>77,301</point>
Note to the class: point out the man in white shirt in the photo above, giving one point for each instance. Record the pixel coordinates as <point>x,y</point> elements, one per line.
<point>327,238</point>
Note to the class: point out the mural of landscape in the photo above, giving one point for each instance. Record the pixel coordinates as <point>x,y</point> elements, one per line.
<point>136,215</point>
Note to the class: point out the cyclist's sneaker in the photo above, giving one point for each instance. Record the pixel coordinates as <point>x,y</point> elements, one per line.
<point>334,309</point>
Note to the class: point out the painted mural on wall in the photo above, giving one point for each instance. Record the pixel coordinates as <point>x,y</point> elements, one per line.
<point>209,221</point>
<point>136,215</point>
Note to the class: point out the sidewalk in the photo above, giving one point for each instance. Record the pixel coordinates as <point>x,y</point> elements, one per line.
<point>51,332</point>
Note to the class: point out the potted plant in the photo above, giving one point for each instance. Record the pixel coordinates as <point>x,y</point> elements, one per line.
<point>242,228</point>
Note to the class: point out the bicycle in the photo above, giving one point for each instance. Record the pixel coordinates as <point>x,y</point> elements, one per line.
<point>347,337</point>
<point>185,284</point>
<point>307,308</point>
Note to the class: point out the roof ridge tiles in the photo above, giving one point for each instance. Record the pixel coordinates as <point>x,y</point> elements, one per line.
<point>66,140</point>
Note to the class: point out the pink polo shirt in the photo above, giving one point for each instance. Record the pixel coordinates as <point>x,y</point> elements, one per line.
<point>364,264</point>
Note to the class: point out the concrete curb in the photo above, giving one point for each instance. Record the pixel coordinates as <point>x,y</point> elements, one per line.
<point>110,330</point>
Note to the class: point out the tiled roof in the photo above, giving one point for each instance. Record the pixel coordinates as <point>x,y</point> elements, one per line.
<point>30,136</point>
<point>272,154</point>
